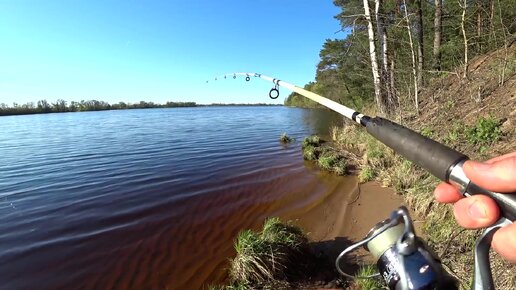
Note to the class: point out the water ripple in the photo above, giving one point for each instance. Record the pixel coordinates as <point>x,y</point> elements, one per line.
<point>131,199</point>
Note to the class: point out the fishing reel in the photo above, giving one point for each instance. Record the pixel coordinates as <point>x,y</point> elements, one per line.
<point>405,261</point>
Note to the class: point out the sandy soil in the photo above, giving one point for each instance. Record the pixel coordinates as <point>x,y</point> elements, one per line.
<point>349,212</point>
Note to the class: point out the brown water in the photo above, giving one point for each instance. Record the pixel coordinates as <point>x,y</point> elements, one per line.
<point>153,199</point>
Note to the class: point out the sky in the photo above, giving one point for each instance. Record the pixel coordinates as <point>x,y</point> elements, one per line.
<point>158,51</point>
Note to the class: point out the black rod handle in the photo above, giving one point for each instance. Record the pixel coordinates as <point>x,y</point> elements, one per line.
<point>434,157</point>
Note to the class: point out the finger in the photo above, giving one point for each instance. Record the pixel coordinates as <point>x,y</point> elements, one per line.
<point>499,176</point>
<point>504,242</point>
<point>477,211</point>
<point>446,193</point>
<point>498,158</point>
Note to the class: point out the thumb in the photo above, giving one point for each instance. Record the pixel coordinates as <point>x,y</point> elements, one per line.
<point>498,176</point>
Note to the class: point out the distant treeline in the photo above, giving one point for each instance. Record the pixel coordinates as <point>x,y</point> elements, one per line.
<point>238,105</point>
<point>62,106</point>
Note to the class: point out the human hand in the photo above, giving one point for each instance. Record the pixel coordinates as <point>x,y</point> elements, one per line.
<point>479,211</point>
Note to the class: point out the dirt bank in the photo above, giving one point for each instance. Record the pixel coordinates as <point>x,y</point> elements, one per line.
<point>349,211</point>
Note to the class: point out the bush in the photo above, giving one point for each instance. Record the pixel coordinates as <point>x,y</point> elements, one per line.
<point>486,131</point>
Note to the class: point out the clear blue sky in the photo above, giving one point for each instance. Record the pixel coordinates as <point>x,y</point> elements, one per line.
<point>157,51</point>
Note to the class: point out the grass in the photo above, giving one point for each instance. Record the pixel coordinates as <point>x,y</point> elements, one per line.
<point>271,257</point>
<point>327,158</point>
<point>380,163</point>
<point>310,152</point>
<point>313,140</point>
<point>230,287</point>
<point>485,131</point>
<point>481,135</point>
<point>366,174</point>
<point>368,284</point>
<point>285,139</point>
<point>450,242</point>
<point>427,132</point>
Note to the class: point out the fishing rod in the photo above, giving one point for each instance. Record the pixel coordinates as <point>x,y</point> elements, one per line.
<point>441,161</point>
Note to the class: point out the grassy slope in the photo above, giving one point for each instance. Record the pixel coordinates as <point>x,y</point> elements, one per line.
<point>475,116</point>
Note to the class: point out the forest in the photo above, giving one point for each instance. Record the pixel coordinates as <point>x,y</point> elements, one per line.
<point>62,106</point>
<point>393,48</point>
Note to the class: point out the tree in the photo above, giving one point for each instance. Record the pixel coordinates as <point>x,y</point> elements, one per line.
<point>378,92</point>
<point>414,72</point>
<point>44,107</point>
<point>464,7</point>
<point>437,34</point>
<point>420,44</point>
<point>60,106</point>
<point>385,75</point>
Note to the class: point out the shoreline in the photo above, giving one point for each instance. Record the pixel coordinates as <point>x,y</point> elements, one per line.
<point>342,217</point>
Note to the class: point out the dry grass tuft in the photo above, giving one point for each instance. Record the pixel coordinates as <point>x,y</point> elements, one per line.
<point>271,258</point>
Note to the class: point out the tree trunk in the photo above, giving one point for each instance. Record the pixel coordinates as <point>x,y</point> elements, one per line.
<point>388,97</point>
<point>463,28</point>
<point>414,72</point>
<point>420,54</point>
<point>480,10</point>
<point>491,23</point>
<point>396,99</point>
<point>382,33</point>
<point>374,63</point>
<point>437,34</point>
<point>506,55</point>
<point>384,58</point>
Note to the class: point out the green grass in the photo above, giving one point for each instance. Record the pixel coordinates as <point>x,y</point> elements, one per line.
<point>274,231</point>
<point>327,158</point>
<point>455,134</point>
<point>427,132</point>
<point>485,131</point>
<point>368,284</point>
<point>284,138</point>
<point>366,174</point>
<point>310,152</point>
<point>380,163</point>
<point>313,140</point>
<point>270,257</point>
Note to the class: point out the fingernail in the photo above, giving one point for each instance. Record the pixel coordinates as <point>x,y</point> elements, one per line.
<point>477,210</point>
<point>478,166</point>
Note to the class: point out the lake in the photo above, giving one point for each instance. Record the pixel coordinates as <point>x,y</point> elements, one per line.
<point>146,199</point>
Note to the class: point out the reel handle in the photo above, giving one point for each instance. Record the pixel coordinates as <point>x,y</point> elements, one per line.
<point>483,278</point>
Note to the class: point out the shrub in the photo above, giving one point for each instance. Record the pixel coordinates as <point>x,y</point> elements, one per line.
<point>485,131</point>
